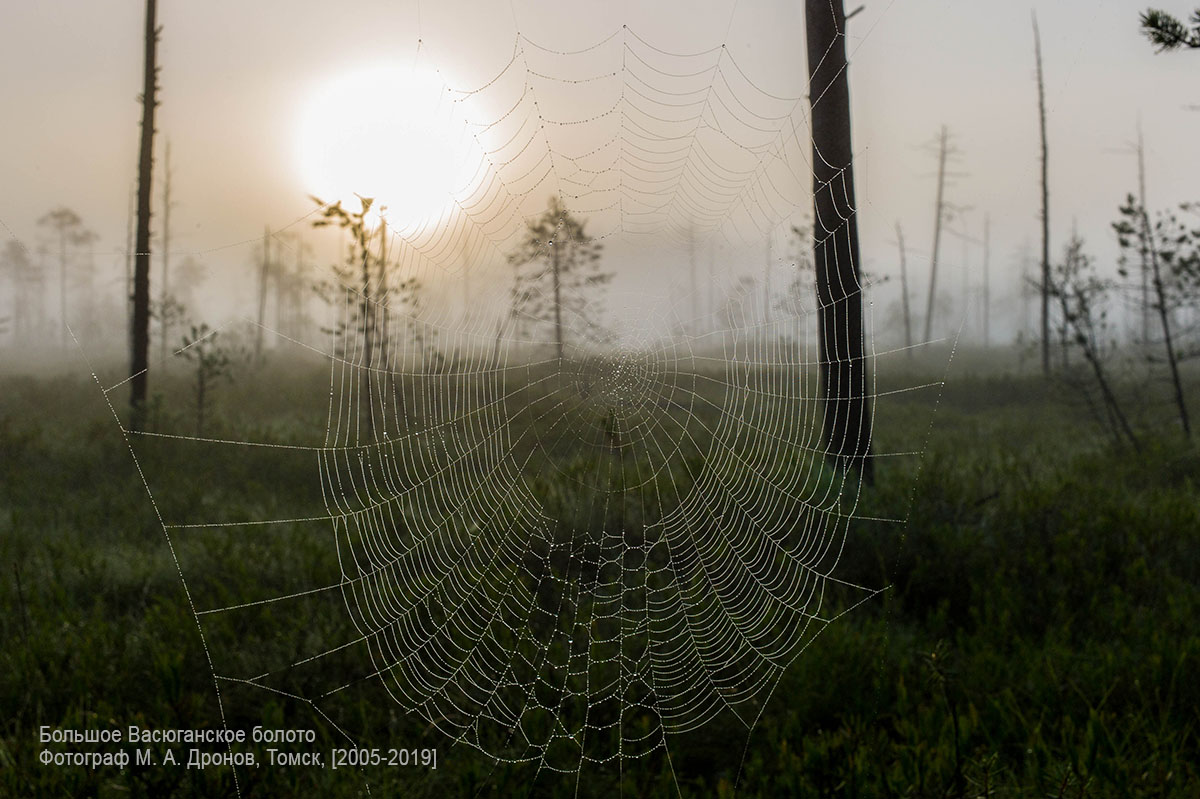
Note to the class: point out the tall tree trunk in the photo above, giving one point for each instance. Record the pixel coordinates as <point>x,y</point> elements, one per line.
<point>987,281</point>
<point>1145,256</point>
<point>383,300</point>
<point>694,325</point>
<point>140,356</point>
<point>368,329</point>
<point>1026,291</point>
<point>466,276</point>
<point>558,331</point>
<point>846,411</point>
<point>712,282</point>
<point>904,291</point>
<point>767,285</point>
<point>295,300</point>
<point>1037,43</point>
<point>939,211</point>
<point>89,309</point>
<point>263,273</point>
<point>166,259</point>
<point>62,286</point>
<point>966,280</point>
<point>129,249</point>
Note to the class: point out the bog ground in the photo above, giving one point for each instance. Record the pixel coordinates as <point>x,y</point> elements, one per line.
<point>1036,636</point>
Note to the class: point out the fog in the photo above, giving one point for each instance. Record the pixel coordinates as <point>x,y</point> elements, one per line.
<point>235,84</point>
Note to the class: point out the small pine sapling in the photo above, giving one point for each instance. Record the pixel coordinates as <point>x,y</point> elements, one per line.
<point>213,361</point>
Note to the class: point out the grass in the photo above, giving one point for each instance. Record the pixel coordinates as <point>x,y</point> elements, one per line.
<point>1037,637</point>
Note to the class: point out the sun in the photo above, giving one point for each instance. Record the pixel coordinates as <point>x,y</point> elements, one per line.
<point>385,132</point>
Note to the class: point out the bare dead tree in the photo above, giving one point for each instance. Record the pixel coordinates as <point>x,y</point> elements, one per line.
<point>1037,47</point>
<point>264,274</point>
<point>712,282</point>
<point>129,225</point>
<point>987,281</point>
<point>695,287</point>
<point>767,284</point>
<point>939,210</point>
<point>140,345</point>
<point>163,316</point>
<point>1145,255</point>
<point>904,290</point>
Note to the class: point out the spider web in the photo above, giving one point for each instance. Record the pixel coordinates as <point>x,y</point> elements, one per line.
<point>564,561</point>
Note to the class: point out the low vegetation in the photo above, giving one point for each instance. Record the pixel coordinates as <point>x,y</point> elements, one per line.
<point>1038,636</point>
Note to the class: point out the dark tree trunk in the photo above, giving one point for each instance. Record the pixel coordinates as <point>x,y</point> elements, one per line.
<point>767,286</point>
<point>1145,255</point>
<point>987,281</point>
<point>129,264</point>
<point>904,291</point>
<point>694,326</point>
<point>558,331</point>
<point>166,260</point>
<point>263,276</point>
<point>62,286</point>
<point>712,282</point>
<point>939,212</point>
<point>368,330</point>
<point>140,345</point>
<point>1037,42</point>
<point>844,389</point>
<point>383,299</point>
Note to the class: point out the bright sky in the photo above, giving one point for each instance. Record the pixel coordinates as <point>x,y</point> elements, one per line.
<point>236,77</point>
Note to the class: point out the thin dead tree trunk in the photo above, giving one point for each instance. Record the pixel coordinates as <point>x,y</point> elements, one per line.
<point>62,286</point>
<point>1037,42</point>
<point>368,332</point>
<point>385,334</point>
<point>129,226</point>
<point>694,325</point>
<point>1026,292</point>
<point>140,345</point>
<point>767,285</point>
<point>987,281</point>
<point>279,289</point>
<point>263,271</point>
<point>383,297</point>
<point>296,295</point>
<point>904,291</point>
<point>558,332</point>
<point>844,389</point>
<point>166,259</point>
<point>966,281</point>
<point>712,302</point>
<point>939,211</point>
<point>1145,256</point>
<point>466,317</point>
